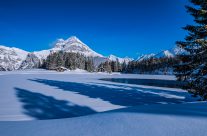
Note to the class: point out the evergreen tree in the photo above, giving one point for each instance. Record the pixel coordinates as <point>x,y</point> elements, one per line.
<point>89,66</point>
<point>114,66</point>
<point>193,66</point>
<point>68,60</point>
<point>59,58</point>
<point>124,67</point>
<point>107,66</point>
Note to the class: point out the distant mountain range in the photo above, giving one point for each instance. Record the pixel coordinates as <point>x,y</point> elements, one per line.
<point>163,54</point>
<point>14,58</point>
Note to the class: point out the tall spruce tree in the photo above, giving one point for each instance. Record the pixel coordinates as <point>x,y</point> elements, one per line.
<point>193,64</point>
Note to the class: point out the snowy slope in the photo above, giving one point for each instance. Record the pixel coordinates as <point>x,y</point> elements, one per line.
<point>170,53</point>
<point>73,44</point>
<point>146,57</point>
<point>163,54</point>
<point>42,54</point>
<point>11,58</point>
<point>120,60</point>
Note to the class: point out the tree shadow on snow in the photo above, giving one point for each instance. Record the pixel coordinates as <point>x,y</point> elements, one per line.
<point>186,109</point>
<point>41,107</point>
<point>119,95</point>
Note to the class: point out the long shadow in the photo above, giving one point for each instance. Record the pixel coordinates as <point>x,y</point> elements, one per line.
<point>187,109</point>
<point>150,88</point>
<point>148,82</point>
<point>42,107</point>
<point>116,95</point>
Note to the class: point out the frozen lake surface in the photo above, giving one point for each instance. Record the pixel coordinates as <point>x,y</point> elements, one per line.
<point>149,82</point>
<point>29,95</point>
<point>48,103</point>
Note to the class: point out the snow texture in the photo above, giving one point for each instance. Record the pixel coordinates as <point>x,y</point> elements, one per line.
<point>80,104</point>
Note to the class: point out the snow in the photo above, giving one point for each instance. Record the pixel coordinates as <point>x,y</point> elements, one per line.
<point>41,102</point>
<point>42,54</point>
<point>21,53</point>
<point>11,57</point>
<point>78,103</point>
<point>165,53</point>
<point>73,44</point>
<point>145,57</point>
<point>14,58</point>
<point>120,60</point>
<point>178,50</point>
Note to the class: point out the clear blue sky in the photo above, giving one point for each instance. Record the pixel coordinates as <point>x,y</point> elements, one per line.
<point>120,27</point>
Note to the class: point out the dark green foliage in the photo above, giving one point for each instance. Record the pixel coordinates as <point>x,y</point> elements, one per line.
<point>151,66</point>
<point>68,60</point>
<point>192,68</point>
<point>110,66</point>
<point>89,65</point>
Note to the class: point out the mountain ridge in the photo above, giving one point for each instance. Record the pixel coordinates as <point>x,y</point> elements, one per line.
<point>22,59</point>
<point>171,53</point>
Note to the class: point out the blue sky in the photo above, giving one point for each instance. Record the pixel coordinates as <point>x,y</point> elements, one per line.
<point>120,27</point>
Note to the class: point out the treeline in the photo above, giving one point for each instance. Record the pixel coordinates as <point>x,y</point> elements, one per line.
<point>148,66</point>
<point>151,66</point>
<point>110,66</point>
<point>74,61</point>
<point>68,60</point>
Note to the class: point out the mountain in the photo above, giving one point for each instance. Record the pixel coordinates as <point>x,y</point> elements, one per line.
<point>145,57</point>
<point>31,61</point>
<point>165,53</point>
<point>14,58</point>
<point>11,58</point>
<point>73,44</point>
<point>120,60</point>
<point>171,53</point>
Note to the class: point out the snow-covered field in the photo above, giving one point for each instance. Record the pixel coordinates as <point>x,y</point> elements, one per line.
<point>48,103</point>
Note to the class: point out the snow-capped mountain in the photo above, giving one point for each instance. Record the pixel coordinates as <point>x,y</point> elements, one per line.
<point>11,58</point>
<point>72,44</point>
<point>163,54</point>
<point>145,57</point>
<point>170,53</point>
<point>14,58</point>
<point>31,61</point>
<point>120,60</point>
